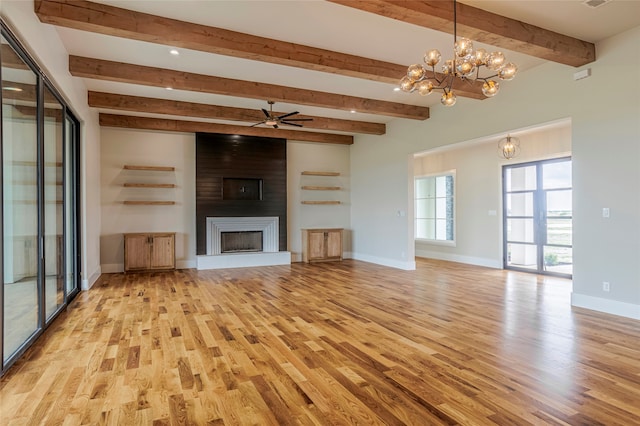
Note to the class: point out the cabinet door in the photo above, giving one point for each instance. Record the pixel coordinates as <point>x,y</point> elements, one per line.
<point>136,252</point>
<point>162,252</point>
<point>317,247</point>
<point>334,244</point>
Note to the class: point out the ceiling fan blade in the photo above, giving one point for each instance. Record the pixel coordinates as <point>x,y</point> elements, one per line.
<point>291,124</point>
<point>300,119</point>
<point>288,115</point>
<point>266,113</point>
<point>257,124</point>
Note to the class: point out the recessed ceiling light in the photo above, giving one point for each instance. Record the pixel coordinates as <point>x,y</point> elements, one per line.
<point>353,111</point>
<point>174,52</point>
<point>12,89</point>
<point>396,89</point>
<point>169,88</point>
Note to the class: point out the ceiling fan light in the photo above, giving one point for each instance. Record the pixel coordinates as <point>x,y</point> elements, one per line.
<point>270,122</point>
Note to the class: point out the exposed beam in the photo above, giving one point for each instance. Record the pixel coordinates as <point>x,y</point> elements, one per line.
<point>114,21</point>
<point>485,27</point>
<point>146,123</point>
<point>180,80</point>
<point>189,109</point>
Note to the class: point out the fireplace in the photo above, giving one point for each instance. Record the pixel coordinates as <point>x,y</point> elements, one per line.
<point>240,241</point>
<point>236,242</point>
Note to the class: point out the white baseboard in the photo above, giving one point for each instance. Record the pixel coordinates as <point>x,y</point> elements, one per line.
<point>608,306</point>
<point>478,261</point>
<point>186,264</point>
<point>87,283</point>
<point>392,263</point>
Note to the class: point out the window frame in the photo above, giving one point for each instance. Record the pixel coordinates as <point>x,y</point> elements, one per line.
<point>449,243</point>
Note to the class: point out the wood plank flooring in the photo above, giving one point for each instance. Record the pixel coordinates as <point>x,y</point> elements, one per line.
<point>328,344</point>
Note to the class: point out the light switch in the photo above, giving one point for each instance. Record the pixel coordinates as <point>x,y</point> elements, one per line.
<point>605,212</point>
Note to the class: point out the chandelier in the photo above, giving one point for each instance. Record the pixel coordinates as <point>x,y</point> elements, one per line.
<point>509,147</point>
<point>465,65</point>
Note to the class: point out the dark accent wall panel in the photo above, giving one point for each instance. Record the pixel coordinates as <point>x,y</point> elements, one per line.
<point>229,157</point>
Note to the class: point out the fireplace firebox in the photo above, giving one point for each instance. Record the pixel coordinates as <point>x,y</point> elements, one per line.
<point>241,241</point>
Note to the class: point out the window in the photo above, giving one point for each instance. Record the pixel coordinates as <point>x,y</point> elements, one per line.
<point>434,207</point>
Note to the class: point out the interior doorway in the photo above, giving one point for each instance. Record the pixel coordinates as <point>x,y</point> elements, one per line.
<point>538,212</point>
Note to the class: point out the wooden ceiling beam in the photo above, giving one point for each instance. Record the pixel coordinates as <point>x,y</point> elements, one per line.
<point>484,27</point>
<point>114,21</point>
<point>147,123</point>
<point>180,80</point>
<point>189,109</point>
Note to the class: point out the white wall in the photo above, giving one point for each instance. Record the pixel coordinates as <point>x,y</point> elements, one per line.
<point>121,147</point>
<point>137,147</point>
<point>604,110</point>
<point>45,47</point>
<point>478,166</point>
<point>303,156</point>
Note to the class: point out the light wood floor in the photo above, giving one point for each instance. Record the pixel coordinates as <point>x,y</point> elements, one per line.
<point>329,344</point>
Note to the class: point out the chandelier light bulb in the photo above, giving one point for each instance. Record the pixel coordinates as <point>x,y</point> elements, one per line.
<point>447,67</point>
<point>407,85</point>
<point>463,47</point>
<point>465,67</point>
<point>448,99</point>
<point>416,72</point>
<point>490,88</point>
<point>508,72</point>
<point>480,57</point>
<point>432,57</point>
<point>425,87</point>
<point>495,61</point>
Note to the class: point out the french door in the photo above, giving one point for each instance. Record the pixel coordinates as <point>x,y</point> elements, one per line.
<point>538,217</point>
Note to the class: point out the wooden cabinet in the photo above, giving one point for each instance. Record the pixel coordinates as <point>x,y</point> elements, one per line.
<point>149,251</point>
<point>321,245</point>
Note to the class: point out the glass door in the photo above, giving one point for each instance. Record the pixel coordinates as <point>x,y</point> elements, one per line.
<point>538,217</point>
<point>20,259</point>
<point>39,255</point>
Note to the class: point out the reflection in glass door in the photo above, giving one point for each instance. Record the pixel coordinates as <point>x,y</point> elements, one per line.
<point>53,201</point>
<point>19,203</point>
<point>538,217</point>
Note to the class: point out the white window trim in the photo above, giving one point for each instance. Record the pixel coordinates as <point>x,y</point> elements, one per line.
<point>447,243</point>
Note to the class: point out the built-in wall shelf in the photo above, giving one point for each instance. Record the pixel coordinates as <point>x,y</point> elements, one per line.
<point>321,202</point>
<point>153,182</point>
<point>149,185</point>
<point>150,168</point>
<point>309,173</point>
<point>148,203</point>
<point>325,181</point>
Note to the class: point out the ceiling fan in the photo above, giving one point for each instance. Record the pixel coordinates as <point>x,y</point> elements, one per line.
<point>275,120</point>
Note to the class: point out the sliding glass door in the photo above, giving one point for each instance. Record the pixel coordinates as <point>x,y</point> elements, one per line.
<point>538,217</point>
<point>40,146</point>
<point>19,202</point>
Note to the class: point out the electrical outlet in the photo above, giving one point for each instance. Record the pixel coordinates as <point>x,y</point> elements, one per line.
<point>606,286</point>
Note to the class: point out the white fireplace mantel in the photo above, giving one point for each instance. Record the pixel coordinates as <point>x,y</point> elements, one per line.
<point>269,225</point>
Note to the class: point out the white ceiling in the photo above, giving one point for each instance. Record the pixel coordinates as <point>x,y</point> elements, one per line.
<point>329,26</point>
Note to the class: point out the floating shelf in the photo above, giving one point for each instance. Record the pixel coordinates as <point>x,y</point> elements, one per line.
<point>321,188</point>
<point>321,202</point>
<point>150,168</point>
<point>148,203</point>
<point>308,173</point>
<point>149,185</point>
